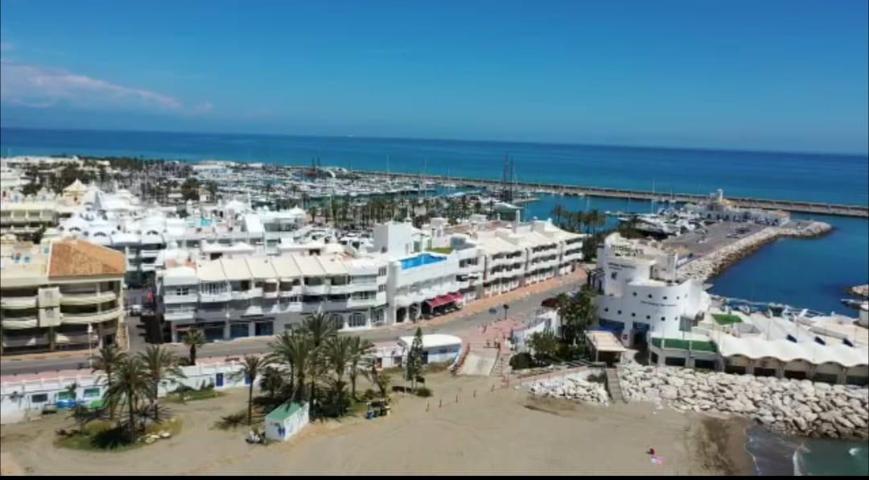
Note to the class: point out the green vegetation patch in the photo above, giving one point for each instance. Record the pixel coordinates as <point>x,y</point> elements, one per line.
<point>678,344</point>
<point>192,395</point>
<point>726,318</point>
<point>104,435</point>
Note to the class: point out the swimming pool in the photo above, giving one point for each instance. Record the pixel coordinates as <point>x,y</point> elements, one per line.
<point>420,260</point>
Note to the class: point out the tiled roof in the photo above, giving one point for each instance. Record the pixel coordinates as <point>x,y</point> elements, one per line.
<point>78,258</point>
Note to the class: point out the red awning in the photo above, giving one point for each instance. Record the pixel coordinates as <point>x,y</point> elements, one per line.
<point>457,297</point>
<point>439,301</point>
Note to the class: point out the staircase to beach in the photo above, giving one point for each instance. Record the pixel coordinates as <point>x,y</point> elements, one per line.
<point>483,356</point>
<point>613,386</point>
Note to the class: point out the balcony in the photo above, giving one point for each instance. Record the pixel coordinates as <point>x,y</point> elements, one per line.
<point>176,315</point>
<point>93,317</point>
<point>14,341</point>
<point>293,292</point>
<point>87,298</point>
<point>20,323</point>
<point>246,294</point>
<point>322,289</point>
<point>149,253</point>
<point>189,298</point>
<point>76,338</point>
<point>18,303</point>
<point>214,297</point>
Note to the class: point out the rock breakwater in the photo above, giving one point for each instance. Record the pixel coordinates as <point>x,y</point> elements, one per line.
<point>571,387</point>
<point>714,263</point>
<point>796,407</point>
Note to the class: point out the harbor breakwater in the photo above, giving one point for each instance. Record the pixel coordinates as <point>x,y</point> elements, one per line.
<point>716,262</point>
<point>787,406</point>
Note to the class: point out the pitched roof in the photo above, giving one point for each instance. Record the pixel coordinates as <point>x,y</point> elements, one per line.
<point>78,258</point>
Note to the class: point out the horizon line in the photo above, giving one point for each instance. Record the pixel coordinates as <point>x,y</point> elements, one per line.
<point>524,142</point>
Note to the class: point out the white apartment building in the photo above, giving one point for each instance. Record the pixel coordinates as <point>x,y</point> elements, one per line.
<point>440,266</point>
<point>65,294</point>
<point>639,294</point>
<point>251,296</point>
<point>143,234</point>
<point>407,274</point>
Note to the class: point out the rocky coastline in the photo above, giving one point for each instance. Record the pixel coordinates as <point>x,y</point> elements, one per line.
<point>794,407</point>
<point>714,263</point>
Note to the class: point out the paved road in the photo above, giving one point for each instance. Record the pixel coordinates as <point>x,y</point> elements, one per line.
<point>522,309</point>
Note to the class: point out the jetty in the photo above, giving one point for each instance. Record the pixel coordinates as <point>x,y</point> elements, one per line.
<point>576,190</point>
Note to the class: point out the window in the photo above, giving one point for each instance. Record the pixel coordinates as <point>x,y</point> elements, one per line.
<point>381,272</point>
<point>607,309</point>
<point>91,392</point>
<point>650,295</point>
<point>381,288</point>
<point>633,314</point>
<point>39,398</point>
<point>182,291</point>
<point>648,317</point>
<point>619,312</point>
<point>337,320</point>
<point>662,319</point>
<point>635,294</point>
<point>665,297</point>
<point>357,320</point>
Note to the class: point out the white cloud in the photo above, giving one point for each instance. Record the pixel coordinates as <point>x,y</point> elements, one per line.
<point>39,87</point>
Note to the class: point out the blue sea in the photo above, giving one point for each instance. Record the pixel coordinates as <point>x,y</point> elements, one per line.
<point>806,273</point>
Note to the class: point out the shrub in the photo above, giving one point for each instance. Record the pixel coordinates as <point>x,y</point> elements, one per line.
<point>521,361</point>
<point>369,394</point>
<point>597,377</point>
<point>423,392</point>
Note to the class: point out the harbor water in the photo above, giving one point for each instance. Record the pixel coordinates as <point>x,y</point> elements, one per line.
<point>797,176</point>
<point>785,456</point>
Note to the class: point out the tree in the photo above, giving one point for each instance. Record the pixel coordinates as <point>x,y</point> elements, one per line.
<point>272,382</point>
<point>337,352</point>
<point>413,368</point>
<point>319,328</point>
<point>294,350</point>
<point>160,364</point>
<point>545,345</point>
<point>194,339</point>
<point>107,360</point>
<point>190,189</point>
<point>130,385</point>
<point>359,349</point>
<point>251,367</point>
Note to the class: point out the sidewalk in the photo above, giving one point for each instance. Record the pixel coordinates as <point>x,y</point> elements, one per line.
<point>497,301</point>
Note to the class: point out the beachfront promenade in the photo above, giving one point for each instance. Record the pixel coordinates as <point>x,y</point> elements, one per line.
<point>576,190</point>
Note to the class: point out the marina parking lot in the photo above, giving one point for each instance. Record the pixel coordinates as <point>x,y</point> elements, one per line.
<point>710,238</point>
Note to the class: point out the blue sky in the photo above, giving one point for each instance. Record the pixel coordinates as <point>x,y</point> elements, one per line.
<point>769,75</point>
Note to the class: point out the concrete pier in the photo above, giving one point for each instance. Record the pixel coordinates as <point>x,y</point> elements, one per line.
<point>576,190</point>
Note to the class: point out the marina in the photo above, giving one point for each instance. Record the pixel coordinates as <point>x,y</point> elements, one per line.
<point>574,190</point>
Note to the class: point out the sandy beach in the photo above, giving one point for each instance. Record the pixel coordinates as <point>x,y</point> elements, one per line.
<point>502,431</point>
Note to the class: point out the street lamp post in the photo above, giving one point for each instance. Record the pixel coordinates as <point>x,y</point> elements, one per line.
<point>90,346</point>
<point>506,307</point>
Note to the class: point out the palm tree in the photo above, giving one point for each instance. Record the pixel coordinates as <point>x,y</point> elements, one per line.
<point>194,339</point>
<point>337,352</point>
<point>319,328</point>
<point>251,367</point>
<point>294,350</point>
<point>160,364</point>
<point>273,382</point>
<point>380,379</point>
<point>107,360</point>
<point>130,385</point>
<point>359,349</point>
